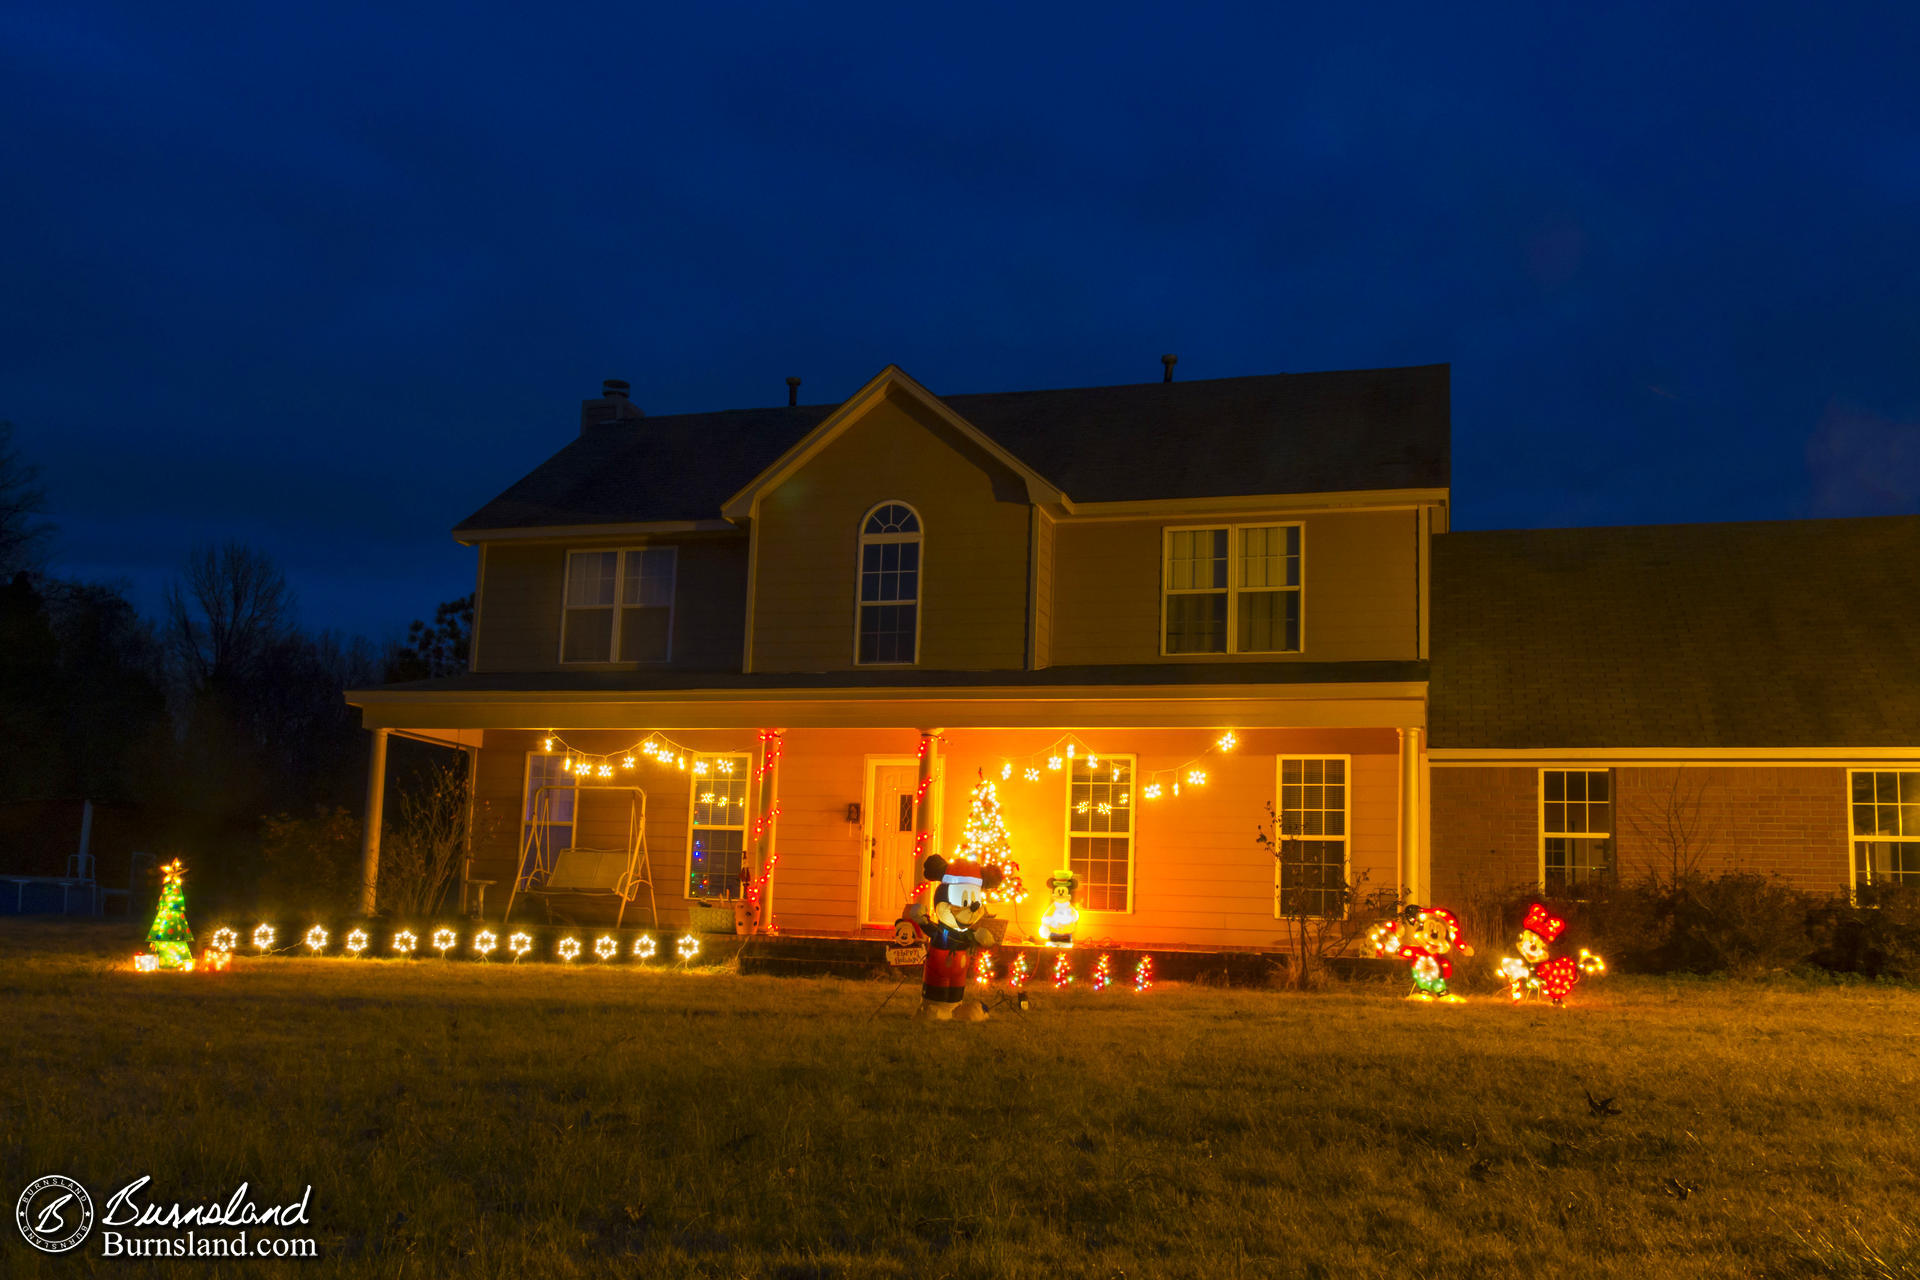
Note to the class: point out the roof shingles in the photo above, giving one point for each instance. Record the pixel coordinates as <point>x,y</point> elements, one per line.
<point>1282,433</point>
<point>1788,634</point>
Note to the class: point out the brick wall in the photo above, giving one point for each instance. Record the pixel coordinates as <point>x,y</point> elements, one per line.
<point>1790,822</point>
<point>1485,832</point>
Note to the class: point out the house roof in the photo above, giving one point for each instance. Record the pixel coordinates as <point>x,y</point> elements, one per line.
<point>1783,634</point>
<point>1281,433</point>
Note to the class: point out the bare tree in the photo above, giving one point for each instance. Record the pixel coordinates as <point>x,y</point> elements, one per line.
<point>1675,827</point>
<point>225,617</point>
<point>23,534</point>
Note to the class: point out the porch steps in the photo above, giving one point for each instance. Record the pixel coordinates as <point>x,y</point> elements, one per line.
<point>815,957</point>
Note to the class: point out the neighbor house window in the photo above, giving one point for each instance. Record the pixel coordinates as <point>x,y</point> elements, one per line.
<point>1310,871</point>
<point>619,606</point>
<point>546,811</point>
<point>1100,830</point>
<point>1232,589</point>
<point>717,833</point>
<point>889,624</point>
<point>1886,827</point>
<point>1576,828</point>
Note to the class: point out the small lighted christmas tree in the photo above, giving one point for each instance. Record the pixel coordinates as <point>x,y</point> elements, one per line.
<point>985,839</point>
<point>170,940</point>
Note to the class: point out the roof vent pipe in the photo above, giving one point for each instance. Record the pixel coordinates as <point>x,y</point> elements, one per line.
<point>616,389</point>
<point>1169,361</point>
<point>793,392</point>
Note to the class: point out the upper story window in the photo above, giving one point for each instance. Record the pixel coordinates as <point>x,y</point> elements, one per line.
<point>619,606</point>
<point>889,625</point>
<point>1576,828</point>
<point>1232,589</point>
<point>1886,827</point>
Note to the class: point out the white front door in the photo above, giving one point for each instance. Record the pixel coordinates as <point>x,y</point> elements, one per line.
<point>892,877</point>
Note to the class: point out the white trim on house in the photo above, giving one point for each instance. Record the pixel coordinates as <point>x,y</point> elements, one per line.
<point>863,540</point>
<point>1233,590</point>
<point>1346,822</point>
<point>619,606</point>
<point>1133,824</point>
<point>1541,834</point>
<point>744,764</point>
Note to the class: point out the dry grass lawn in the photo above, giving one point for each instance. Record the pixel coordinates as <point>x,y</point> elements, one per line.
<point>533,1122</point>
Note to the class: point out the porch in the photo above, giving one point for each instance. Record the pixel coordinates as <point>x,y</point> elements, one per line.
<point>820,827</point>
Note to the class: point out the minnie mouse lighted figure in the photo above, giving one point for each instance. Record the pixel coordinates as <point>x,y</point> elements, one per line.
<point>1535,973</point>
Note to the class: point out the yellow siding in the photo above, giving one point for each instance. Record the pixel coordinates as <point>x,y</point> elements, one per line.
<point>974,577</point>
<point>1360,595</point>
<point>523,590</point>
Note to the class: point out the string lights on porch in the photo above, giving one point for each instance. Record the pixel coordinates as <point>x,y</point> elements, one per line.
<point>1070,749</point>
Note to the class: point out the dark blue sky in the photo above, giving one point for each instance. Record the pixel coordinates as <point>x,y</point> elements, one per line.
<point>327,283</point>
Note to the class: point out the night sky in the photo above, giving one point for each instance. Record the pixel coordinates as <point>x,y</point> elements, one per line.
<point>328,283</point>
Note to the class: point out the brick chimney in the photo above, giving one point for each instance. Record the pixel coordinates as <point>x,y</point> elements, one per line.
<point>614,404</point>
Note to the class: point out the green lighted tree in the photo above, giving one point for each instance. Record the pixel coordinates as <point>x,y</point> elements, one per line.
<point>170,940</point>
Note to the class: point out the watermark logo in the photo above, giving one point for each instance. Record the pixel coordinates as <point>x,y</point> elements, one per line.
<point>54,1214</point>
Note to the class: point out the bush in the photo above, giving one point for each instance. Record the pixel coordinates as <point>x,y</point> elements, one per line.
<point>310,863</point>
<point>1877,933</point>
<point>1738,924</point>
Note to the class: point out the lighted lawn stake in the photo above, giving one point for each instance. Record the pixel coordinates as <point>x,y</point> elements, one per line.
<point>1425,938</point>
<point>169,940</point>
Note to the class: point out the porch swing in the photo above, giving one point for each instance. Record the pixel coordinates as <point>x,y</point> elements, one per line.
<point>547,872</point>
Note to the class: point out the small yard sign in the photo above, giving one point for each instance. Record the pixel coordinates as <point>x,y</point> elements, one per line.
<point>906,955</point>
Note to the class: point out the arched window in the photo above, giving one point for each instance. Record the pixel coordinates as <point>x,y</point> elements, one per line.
<point>889,627</point>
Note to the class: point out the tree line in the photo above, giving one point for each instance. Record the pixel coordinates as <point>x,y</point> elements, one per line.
<point>218,720</point>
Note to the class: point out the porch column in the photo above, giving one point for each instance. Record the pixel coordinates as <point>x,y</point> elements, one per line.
<point>923,823</point>
<point>1411,881</point>
<point>376,805</point>
<point>766,812</point>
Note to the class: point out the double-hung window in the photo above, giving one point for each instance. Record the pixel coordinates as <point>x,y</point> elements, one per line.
<point>888,628</point>
<point>1576,828</point>
<point>1231,589</point>
<point>1886,827</point>
<point>1100,830</point>
<point>1310,869</point>
<point>717,831</point>
<point>546,811</point>
<point>619,606</point>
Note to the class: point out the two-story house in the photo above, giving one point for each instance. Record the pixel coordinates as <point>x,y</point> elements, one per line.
<point>1144,613</point>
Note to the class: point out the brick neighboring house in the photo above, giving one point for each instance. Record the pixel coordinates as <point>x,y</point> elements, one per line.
<point>808,630</point>
<point>1720,697</point>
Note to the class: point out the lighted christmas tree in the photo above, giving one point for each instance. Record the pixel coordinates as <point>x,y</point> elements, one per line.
<point>170,940</point>
<point>985,839</point>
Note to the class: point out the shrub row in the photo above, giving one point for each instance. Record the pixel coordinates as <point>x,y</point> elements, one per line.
<point>1741,924</point>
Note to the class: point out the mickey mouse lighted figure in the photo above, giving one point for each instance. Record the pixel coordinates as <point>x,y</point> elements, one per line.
<point>1426,938</point>
<point>1057,925</point>
<point>954,921</point>
<point>1537,972</point>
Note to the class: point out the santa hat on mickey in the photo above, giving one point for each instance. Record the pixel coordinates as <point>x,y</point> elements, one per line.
<point>961,870</point>
<point>1543,922</point>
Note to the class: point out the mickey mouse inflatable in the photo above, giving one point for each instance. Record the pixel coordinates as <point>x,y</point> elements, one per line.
<point>953,920</point>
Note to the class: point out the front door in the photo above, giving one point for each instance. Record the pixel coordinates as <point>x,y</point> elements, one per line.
<point>892,875</point>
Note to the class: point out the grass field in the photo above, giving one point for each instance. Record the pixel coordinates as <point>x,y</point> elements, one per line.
<point>461,1119</point>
